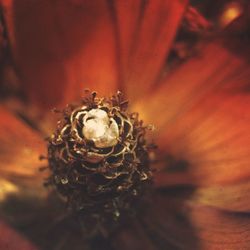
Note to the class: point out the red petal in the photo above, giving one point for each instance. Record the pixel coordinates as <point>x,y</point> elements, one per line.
<point>213,138</point>
<point>220,230</point>
<point>62,47</point>
<point>146,30</point>
<point>202,121</point>
<point>10,239</point>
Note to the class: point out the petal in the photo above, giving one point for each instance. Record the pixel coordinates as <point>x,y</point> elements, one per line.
<point>10,239</point>
<point>220,230</point>
<point>227,197</point>
<point>19,157</point>
<point>213,138</point>
<point>202,121</point>
<point>24,202</point>
<point>171,222</point>
<point>62,47</point>
<point>231,197</point>
<point>146,31</point>
<point>160,224</point>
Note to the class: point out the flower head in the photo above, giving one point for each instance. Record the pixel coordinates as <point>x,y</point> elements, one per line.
<point>98,157</point>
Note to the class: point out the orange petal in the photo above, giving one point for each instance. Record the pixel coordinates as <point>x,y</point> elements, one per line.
<point>172,223</point>
<point>10,239</point>
<point>201,120</point>
<point>213,138</point>
<point>220,230</point>
<point>146,36</point>
<point>19,157</point>
<point>227,197</point>
<point>62,47</point>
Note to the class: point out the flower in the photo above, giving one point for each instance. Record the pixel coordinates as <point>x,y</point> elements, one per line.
<point>199,107</point>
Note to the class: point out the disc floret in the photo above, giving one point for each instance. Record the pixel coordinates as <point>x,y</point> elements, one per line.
<point>98,155</point>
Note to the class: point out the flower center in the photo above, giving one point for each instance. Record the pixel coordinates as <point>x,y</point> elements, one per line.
<point>101,180</point>
<point>100,128</point>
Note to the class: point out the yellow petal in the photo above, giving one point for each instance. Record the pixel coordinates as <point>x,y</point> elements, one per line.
<point>227,197</point>
<point>7,188</point>
<point>20,148</point>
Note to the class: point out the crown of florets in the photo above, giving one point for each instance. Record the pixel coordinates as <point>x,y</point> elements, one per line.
<point>98,155</point>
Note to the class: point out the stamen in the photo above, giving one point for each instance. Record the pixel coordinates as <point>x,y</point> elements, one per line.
<point>100,129</point>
